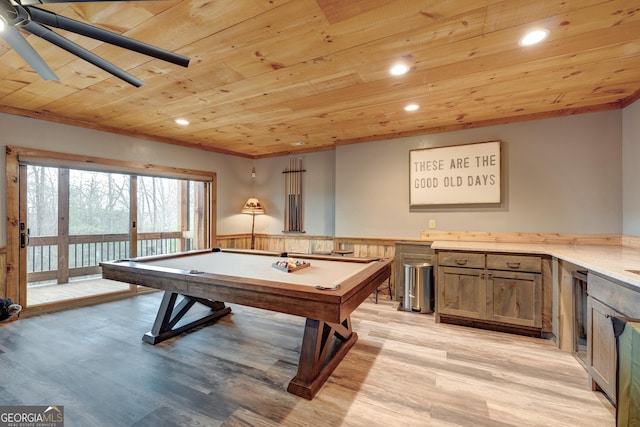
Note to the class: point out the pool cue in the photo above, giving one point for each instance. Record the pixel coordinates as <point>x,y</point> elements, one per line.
<point>293,194</point>
<point>296,193</point>
<point>290,219</point>
<point>299,194</point>
<point>286,208</point>
<point>297,197</point>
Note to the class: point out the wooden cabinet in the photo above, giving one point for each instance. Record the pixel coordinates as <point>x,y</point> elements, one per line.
<point>607,298</point>
<point>514,298</point>
<point>495,289</point>
<point>601,350</point>
<point>461,292</point>
<point>410,252</point>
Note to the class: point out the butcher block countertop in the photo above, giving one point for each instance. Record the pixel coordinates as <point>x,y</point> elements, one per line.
<point>611,261</point>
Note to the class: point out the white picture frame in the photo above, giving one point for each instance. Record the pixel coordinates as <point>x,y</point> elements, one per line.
<point>456,175</point>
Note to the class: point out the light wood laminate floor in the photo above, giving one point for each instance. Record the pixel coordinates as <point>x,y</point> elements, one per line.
<point>405,370</point>
<point>46,294</point>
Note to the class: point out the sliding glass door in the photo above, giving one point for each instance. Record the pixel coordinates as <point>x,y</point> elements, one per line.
<point>170,215</point>
<point>76,218</point>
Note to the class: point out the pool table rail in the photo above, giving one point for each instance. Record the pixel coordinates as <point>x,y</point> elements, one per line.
<point>306,301</point>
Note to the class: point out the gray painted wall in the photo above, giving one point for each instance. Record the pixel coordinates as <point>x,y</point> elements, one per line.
<point>631,170</point>
<point>318,192</point>
<point>233,173</point>
<point>560,175</point>
<point>235,183</point>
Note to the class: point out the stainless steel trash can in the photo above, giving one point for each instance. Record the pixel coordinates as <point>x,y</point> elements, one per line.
<point>418,288</point>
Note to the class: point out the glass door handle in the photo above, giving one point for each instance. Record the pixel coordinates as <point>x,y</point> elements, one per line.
<point>24,237</point>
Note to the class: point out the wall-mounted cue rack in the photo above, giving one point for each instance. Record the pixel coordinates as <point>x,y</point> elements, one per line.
<point>293,196</point>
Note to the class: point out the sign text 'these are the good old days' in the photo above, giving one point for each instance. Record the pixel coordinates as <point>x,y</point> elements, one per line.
<point>459,174</point>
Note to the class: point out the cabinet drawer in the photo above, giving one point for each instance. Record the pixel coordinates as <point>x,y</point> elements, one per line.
<point>461,259</point>
<point>514,263</point>
<point>617,295</point>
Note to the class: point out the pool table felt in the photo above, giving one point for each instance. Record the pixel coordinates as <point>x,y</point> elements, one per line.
<point>324,273</point>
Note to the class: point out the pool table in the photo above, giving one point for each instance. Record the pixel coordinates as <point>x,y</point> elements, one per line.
<point>326,292</point>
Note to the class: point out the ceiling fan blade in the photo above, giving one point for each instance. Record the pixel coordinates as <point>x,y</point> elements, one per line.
<point>45,33</point>
<point>49,18</point>
<point>33,2</point>
<point>28,53</point>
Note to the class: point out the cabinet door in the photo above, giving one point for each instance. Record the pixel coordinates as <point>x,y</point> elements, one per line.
<point>601,347</point>
<point>461,292</point>
<point>514,298</point>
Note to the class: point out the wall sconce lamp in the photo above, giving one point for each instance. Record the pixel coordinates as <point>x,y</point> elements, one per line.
<point>253,207</point>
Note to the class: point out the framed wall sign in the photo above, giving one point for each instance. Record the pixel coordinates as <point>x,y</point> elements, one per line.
<point>459,174</point>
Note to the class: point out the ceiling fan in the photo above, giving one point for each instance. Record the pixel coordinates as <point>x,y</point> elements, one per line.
<point>21,14</point>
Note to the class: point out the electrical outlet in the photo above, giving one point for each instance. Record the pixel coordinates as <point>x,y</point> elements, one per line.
<point>432,223</point>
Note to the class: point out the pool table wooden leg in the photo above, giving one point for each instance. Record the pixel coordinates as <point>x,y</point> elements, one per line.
<point>324,345</point>
<point>169,314</point>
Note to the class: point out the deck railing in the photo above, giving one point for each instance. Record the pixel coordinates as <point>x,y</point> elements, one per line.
<point>85,252</point>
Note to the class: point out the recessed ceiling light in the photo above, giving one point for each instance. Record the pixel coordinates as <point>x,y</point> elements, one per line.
<point>182,122</point>
<point>534,37</point>
<point>411,107</point>
<point>399,69</point>
<point>2,24</point>
<point>297,143</point>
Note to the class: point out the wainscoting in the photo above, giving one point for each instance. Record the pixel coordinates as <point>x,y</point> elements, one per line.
<point>3,272</point>
<point>361,247</point>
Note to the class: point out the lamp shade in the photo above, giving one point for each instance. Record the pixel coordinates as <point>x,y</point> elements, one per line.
<point>253,207</point>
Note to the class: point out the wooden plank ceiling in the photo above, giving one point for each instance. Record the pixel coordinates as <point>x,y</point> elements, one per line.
<point>265,75</point>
